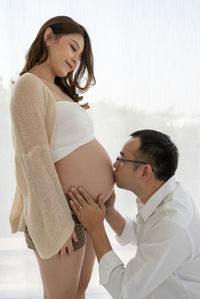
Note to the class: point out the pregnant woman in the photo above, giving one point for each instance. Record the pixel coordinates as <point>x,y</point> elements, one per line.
<point>55,148</point>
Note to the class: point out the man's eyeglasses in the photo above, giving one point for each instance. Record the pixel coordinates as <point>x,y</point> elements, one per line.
<point>133,161</point>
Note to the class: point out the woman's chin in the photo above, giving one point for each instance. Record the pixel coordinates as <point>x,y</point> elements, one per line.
<point>62,74</point>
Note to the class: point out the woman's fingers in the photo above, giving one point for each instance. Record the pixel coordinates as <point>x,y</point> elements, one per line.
<point>70,247</point>
<point>63,252</point>
<point>74,237</point>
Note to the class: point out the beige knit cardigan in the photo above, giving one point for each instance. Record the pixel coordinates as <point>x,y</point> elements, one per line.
<point>39,200</point>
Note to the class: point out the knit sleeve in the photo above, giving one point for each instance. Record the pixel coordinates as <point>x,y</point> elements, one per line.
<point>46,211</point>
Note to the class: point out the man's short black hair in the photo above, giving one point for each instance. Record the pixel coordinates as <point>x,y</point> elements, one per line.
<point>159,151</point>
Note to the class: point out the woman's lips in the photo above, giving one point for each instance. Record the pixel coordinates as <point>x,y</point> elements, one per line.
<point>69,65</point>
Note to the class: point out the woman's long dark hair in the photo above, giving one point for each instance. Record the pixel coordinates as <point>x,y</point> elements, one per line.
<point>38,53</point>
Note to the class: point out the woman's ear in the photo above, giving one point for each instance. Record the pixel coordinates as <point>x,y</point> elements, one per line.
<point>48,36</point>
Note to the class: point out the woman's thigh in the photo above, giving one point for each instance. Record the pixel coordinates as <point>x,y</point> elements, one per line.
<point>87,265</point>
<point>60,277</point>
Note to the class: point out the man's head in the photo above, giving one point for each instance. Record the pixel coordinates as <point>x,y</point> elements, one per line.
<point>154,158</point>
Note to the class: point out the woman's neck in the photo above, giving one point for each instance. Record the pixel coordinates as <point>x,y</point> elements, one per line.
<point>43,72</point>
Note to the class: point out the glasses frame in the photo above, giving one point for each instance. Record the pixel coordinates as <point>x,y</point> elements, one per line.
<point>133,161</point>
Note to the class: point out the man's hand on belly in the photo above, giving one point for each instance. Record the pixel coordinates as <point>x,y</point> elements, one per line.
<point>91,215</point>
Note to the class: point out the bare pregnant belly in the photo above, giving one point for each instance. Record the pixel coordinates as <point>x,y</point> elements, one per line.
<point>88,166</point>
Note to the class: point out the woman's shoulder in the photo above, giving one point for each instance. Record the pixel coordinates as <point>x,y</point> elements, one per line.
<point>30,89</point>
<point>28,80</point>
<point>29,85</point>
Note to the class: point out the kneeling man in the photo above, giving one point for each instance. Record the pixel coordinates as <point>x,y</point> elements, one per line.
<point>166,229</point>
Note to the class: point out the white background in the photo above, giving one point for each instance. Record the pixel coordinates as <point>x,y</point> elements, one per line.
<point>147,67</point>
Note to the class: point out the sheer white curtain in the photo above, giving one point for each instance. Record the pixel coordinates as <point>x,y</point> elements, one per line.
<point>147,66</point>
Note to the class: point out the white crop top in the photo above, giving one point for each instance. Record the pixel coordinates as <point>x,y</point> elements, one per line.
<point>73,128</point>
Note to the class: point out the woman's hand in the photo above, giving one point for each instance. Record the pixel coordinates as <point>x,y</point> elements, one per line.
<point>90,214</point>
<point>68,245</point>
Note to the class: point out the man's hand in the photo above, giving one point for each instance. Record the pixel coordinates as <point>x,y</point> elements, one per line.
<point>110,203</point>
<point>90,214</point>
<point>113,217</point>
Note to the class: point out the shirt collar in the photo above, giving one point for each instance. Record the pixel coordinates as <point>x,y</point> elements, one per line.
<point>146,210</point>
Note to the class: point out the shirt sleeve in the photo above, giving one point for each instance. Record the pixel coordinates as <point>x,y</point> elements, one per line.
<point>46,211</point>
<point>157,257</point>
<point>128,236</point>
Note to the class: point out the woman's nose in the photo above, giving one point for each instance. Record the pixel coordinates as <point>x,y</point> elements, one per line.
<point>75,58</point>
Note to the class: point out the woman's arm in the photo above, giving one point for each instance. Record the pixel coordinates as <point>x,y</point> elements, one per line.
<point>45,208</point>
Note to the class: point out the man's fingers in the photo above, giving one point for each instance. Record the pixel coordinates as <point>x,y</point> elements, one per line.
<point>101,204</point>
<point>75,204</point>
<point>78,198</point>
<point>74,208</point>
<point>86,195</point>
<point>82,197</point>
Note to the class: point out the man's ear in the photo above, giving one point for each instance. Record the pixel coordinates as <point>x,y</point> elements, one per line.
<point>146,172</point>
<point>48,36</point>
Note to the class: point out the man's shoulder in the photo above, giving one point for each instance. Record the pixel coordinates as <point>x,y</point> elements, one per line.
<point>177,207</point>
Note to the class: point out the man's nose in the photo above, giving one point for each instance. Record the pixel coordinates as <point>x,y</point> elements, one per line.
<point>116,165</point>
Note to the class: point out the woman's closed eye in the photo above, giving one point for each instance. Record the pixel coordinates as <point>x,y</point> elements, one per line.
<point>73,48</point>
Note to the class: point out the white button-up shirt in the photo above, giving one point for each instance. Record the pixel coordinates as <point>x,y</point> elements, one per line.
<point>167,261</point>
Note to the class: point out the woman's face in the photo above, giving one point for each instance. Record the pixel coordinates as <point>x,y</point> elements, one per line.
<point>64,54</point>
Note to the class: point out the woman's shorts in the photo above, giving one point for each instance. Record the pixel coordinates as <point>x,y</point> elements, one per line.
<point>78,228</point>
